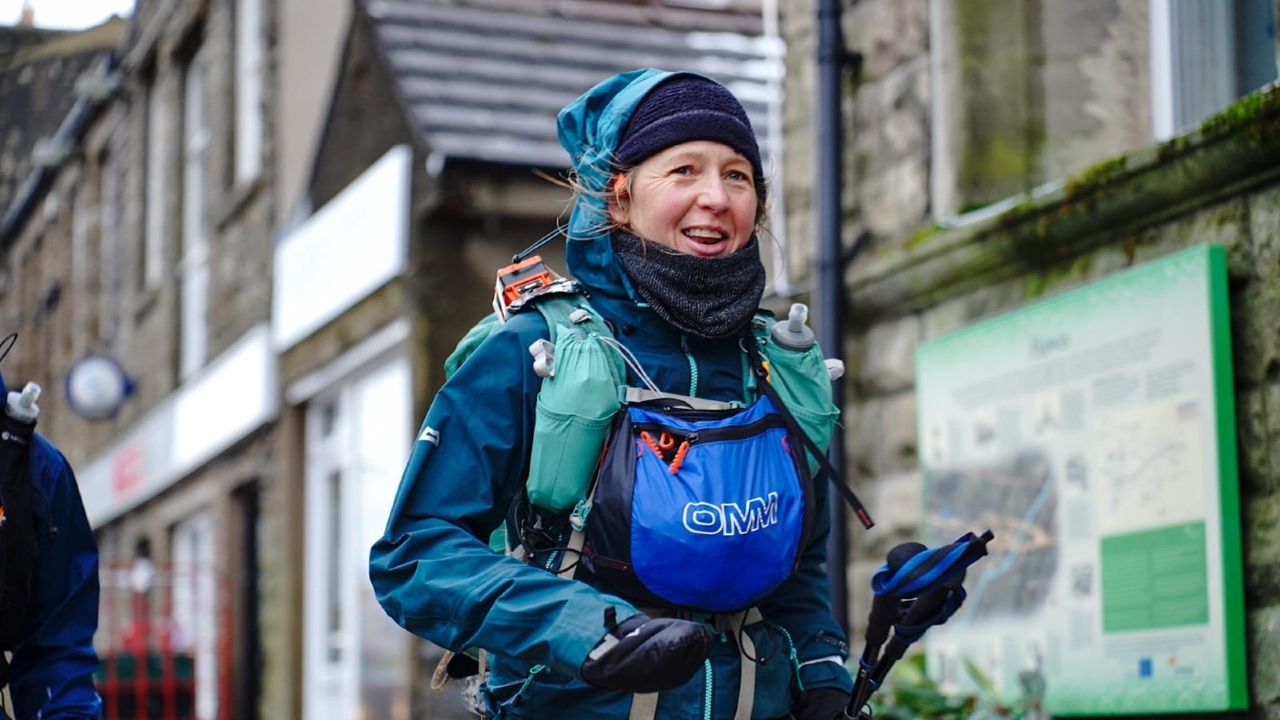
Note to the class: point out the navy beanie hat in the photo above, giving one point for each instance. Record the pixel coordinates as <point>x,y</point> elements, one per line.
<point>684,108</point>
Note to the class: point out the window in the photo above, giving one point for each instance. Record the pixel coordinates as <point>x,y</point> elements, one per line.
<point>151,266</point>
<point>357,433</point>
<point>335,628</point>
<point>195,602</point>
<point>248,99</point>
<point>195,252</point>
<point>89,281</point>
<point>109,198</point>
<point>1204,56</point>
<point>1029,92</point>
<point>84,273</point>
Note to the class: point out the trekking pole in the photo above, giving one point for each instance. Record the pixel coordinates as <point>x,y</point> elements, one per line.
<point>886,609</point>
<point>934,578</point>
<point>932,608</point>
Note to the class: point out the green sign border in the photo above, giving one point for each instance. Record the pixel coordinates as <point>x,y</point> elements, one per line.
<point>1228,478</point>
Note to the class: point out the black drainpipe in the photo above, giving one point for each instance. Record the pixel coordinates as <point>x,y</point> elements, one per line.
<point>829,144</point>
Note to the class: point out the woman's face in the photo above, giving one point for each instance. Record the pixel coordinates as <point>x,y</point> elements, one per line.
<point>697,197</point>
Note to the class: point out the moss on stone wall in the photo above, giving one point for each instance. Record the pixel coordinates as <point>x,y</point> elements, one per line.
<point>993,167</point>
<point>1103,173</point>
<point>1250,117</point>
<point>921,236</point>
<point>1000,130</point>
<point>1251,123</point>
<point>1143,183</point>
<point>1101,206</point>
<point>1251,120</point>
<point>1037,283</point>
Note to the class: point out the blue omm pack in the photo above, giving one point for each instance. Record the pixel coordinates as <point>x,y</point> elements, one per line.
<point>699,509</point>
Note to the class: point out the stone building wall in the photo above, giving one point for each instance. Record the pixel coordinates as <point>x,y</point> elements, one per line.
<point>1120,201</point>
<point>238,218</point>
<point>239,223</point>
<point>55,269</point>
<point>1218,188</point>
<point>885,195</point>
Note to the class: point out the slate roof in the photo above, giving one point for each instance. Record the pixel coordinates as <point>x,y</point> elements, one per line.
<point>38,71</point>
<point>15,38</point>
<point>484,79</point>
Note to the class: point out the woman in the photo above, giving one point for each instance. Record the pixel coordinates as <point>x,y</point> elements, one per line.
<point>663,238</point>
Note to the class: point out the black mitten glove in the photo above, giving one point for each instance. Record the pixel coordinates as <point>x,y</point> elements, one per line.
<point>822,704</point>
<point>644,654</point>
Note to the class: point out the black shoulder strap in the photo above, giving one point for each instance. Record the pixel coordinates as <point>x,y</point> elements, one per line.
<point>793,427</point>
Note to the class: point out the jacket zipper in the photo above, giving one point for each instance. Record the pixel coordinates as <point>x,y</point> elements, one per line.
<point>710,686</point>
<point>693,365</point>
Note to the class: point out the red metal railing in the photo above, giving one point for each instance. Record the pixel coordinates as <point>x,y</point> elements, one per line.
<point>149,663</point>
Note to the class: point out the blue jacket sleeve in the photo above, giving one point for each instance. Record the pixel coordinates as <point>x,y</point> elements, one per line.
<point>432,570</point>
<point>53,666</point>
<point>802,606</point>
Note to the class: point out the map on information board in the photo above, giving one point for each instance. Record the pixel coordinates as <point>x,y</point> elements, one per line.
<point>1094,433</point>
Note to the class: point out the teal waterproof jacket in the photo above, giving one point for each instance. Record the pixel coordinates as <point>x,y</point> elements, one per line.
<point>433,570</point>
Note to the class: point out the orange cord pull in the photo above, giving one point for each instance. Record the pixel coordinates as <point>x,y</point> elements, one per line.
<point>653,445</point>
<point>679,458</point>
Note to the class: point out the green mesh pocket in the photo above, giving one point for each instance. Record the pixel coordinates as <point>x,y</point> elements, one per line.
<point>801,379</point>
<point>574,413</point>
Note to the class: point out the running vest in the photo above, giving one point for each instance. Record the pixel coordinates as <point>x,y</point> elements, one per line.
<point>698,509</point>
<point>584,390</point>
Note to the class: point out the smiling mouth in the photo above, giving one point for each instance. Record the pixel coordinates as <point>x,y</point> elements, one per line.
<point>705,237</point>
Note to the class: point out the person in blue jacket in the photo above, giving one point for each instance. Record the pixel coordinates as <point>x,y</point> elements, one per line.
<point>50,675</point>
<point>663,236</point>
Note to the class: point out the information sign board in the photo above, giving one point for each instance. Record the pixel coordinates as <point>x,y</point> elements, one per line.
<point>1094,433</point>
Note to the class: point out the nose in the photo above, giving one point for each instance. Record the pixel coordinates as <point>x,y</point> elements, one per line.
<point>714,195</point>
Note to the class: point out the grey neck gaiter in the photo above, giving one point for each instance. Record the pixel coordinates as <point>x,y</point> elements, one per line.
<point>710,298</point>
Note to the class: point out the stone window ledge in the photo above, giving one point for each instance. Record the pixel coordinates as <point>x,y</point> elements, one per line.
<point>1229,154</point>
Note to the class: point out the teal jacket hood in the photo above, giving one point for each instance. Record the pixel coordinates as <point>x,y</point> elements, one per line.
<point>590,129</point>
